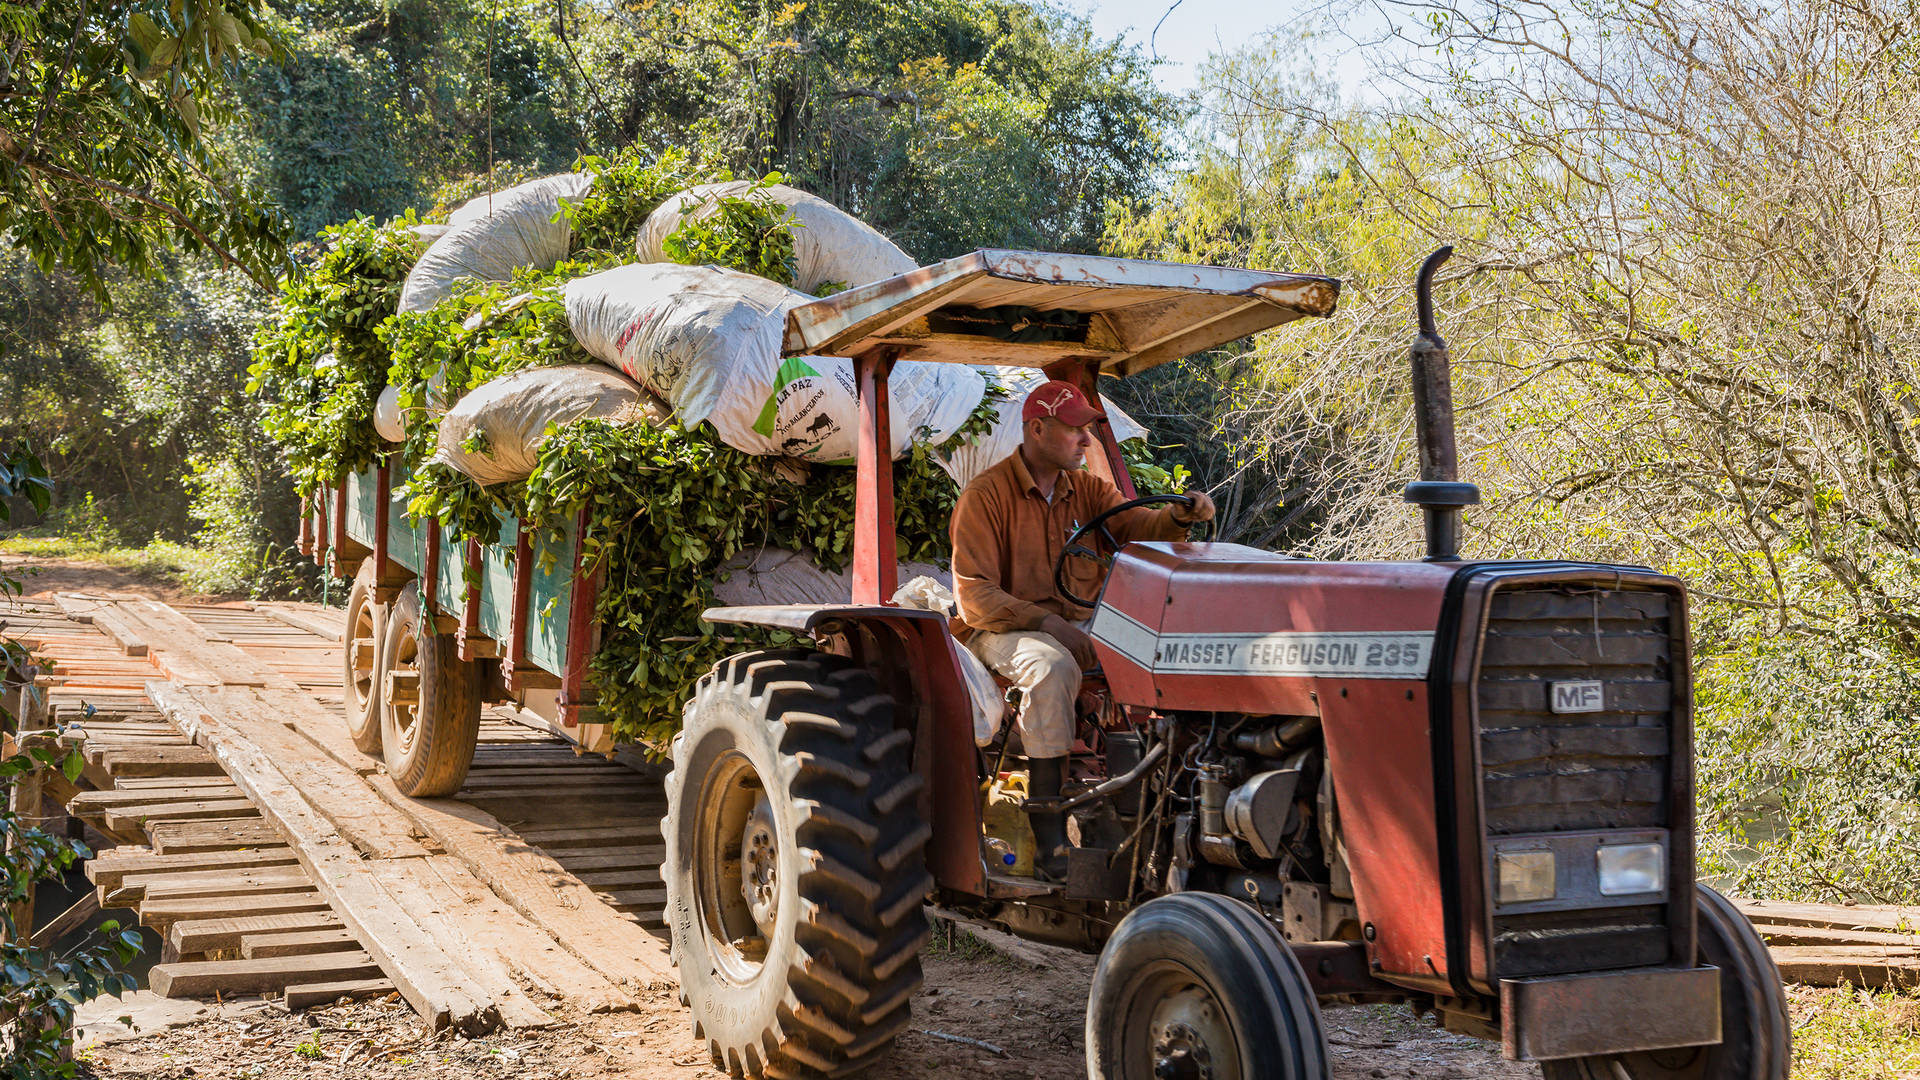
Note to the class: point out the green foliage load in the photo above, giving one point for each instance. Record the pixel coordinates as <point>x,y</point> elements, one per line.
<point>746,232</point>
<point>321,364</point>
<point>664,507</point>
<point>667,506</point>
<point>625,190</point>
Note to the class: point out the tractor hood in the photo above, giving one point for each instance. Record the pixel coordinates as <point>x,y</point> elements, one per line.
<point>1232,628</point>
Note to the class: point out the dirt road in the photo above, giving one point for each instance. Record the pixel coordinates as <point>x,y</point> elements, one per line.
<point>1030,1020</point>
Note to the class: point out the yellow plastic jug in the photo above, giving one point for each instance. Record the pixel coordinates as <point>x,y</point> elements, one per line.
<point>1004,821</point>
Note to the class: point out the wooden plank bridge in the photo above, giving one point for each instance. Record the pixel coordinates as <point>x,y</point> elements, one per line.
<point>240,823</point>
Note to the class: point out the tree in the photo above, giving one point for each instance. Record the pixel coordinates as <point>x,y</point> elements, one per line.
<point>947,124</point>
<point>1684,331</point>
<point>101,156</point>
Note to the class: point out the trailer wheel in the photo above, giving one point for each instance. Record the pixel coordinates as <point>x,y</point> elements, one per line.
<point>794,866</point>
<point>366,626</point>
<point>430,703</point>
<point>1199,985</point>
<point>1756,1033</point>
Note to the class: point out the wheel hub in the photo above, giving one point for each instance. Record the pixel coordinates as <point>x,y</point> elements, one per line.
<point>1179,1053</point>
<point>406,714</point>
<point>760,866</point>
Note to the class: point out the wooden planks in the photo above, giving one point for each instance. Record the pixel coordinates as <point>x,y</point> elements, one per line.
<point>216,935</point>
<point>162,914</point>
<point>1840,944</point>
<point>127,760</point>
<point>263,976</point>
<point>308,995</point>
<point>314,861</point>
<point>111,867</point>
<point>438,987</point>
<point>540,888</point>
<point>234,881</point>
<point>301,943</point>
<point>190,837</point>
<point>323,621</point>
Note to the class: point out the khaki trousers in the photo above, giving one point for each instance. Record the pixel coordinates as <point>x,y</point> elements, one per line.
<point>1049,680</point>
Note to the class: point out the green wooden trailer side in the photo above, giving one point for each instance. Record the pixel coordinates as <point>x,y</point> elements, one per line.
<point>516,606</point>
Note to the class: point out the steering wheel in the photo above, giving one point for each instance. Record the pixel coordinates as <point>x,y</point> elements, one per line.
<point>1099,523</point>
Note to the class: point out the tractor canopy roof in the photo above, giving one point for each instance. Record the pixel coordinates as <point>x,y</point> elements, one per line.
<point>1033,309</point>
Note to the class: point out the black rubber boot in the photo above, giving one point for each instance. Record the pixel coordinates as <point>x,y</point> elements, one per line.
<point>1044,776</point>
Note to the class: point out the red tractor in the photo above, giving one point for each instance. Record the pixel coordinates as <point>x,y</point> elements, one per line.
<point>1462,785</point>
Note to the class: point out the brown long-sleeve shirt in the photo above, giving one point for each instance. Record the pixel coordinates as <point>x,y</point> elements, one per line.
<point>1006,537</point>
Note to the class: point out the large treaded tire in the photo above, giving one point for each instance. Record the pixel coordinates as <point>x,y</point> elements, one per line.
<point>1202,975</point>
<point>360,676</point>
<point>1757,1035</point>
<point>428,747</point>
<point>801,747</point>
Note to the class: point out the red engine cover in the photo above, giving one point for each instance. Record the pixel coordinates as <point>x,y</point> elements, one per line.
<point>1220,627</point>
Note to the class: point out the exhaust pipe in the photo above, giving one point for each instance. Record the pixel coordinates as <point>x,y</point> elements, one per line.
<point>1438,492</point>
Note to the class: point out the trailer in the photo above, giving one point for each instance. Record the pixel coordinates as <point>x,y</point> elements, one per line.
<point>437,626</point>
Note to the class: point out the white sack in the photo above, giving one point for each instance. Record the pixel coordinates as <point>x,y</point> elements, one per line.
<point>809,407</point>
<point>708,340</point>
<point>989,704</point>
<point>491,242</point>
<point>771,575</point>
<point>829,244</point>
<point>992,447</point>
<point>386,416</point>
<point>512,415</point>
<point>683,332</point>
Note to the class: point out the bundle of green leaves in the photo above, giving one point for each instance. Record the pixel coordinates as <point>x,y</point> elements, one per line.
<point>320,364</point>
<point>439,355</point>
<point>748,232</point>
<point>626,188</point>
<point>665,509</point>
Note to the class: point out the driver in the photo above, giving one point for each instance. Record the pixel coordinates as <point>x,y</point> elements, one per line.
<point>1007,530</point>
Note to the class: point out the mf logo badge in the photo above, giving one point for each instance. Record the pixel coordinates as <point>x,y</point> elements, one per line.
<point>1583,695</point>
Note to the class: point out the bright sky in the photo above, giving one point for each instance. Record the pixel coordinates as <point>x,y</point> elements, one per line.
<point>1197,28</point>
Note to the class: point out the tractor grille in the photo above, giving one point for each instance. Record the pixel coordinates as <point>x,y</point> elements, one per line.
<point>1545,772</point>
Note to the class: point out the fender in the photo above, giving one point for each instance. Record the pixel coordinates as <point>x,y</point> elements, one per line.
<point>911,652</point>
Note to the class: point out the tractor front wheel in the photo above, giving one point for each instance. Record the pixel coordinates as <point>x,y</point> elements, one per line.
<point>794,870</point>
<point>1198,985</point>
<point>366,626</point>
<point>430,703</point>
<point>1756,1035</point>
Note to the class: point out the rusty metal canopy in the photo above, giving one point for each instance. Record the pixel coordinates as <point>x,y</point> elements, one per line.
<point>1032,309</point>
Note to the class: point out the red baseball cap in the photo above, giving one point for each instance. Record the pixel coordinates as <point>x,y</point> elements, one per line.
<point>1061,400</point>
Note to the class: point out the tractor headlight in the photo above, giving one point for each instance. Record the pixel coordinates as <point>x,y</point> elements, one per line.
<point>1631,869</point>
<point>1522,876</point>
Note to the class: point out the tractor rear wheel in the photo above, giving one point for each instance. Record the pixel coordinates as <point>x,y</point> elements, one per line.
<point>794,870</point>
<point>1198,985</point>
<point>1756,1035</point>
<point>430,703</point>
<point>366,625</point>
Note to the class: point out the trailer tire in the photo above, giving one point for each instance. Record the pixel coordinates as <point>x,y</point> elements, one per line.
<point>1200,984</point>
<point>362,651</point>
<point>1757,1035</point>
<point>794,871</point>
<point>428,745</point>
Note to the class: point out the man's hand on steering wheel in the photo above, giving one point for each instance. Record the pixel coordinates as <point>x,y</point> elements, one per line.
<point>1199,509</point>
